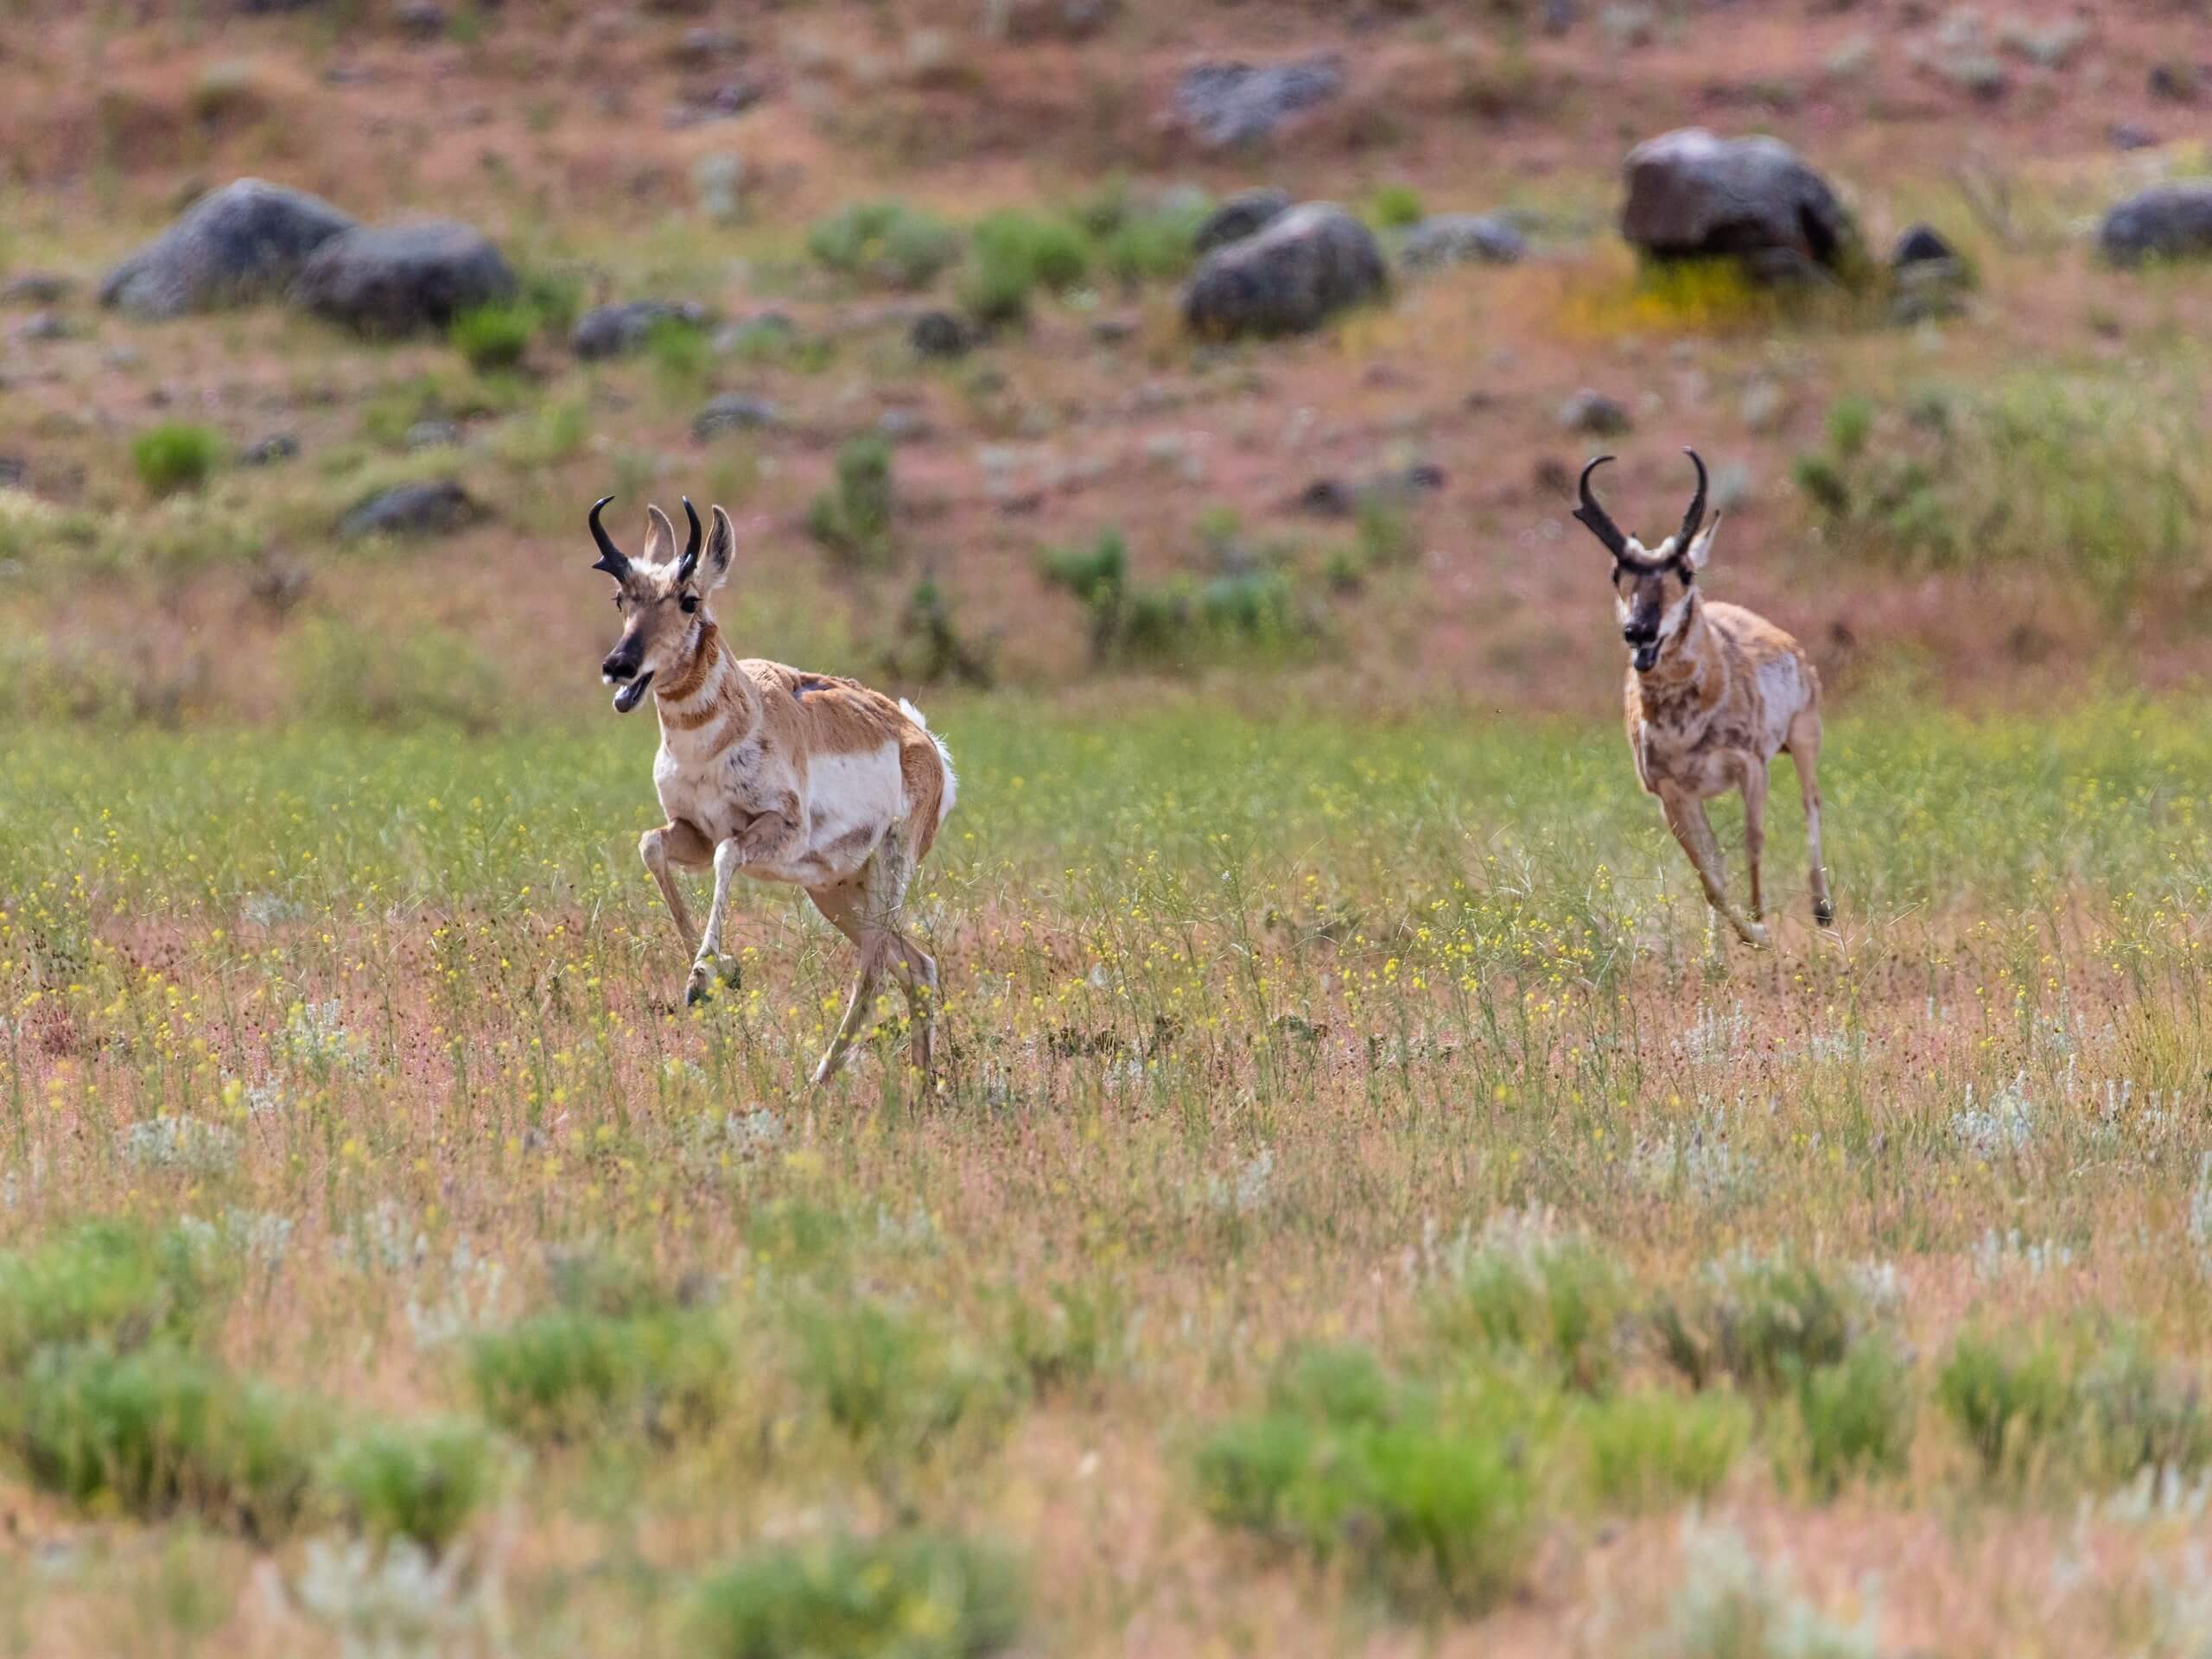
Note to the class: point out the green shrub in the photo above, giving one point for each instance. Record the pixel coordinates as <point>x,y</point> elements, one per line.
<point>1396,206</point>
<point>889,1382</point>
<point>1561,1301</point>
<point>567,1375</point>
<point>885,243</point>
<point>160,1432</point>
<point>912,1596</point>
<point>421,1481</point>
<point>1857,1415</point>
<point>1759,1320</point>
<point>176,456</point>
<point>2136,1415</point>
<point>104,1283</point>
<point>1011,254</point>
<point>1650,1450</point>
<point>348,676</point>
<point>1079,1335</point>
<point>493,336</point>
<point>680,353</point>
<point>1156,243</point>
<point>2013,1404</point>
<point>853,516</point>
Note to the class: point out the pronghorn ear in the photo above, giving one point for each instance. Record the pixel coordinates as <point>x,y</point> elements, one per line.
<point>660,538</point>
<point>721,552</point>
<point>1701,544</point>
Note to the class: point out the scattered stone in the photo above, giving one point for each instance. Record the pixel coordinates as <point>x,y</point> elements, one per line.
<point>1334,498</point>
<point>2175,81</point>
<point>268,451</point>
<point>1309,264</point>
<point>421,20</point>
<point>718,184</point>
<point>1595,414</point>
<point>902,426</point>
<point>1693,195</point>
<point>2126,134</point>
<point>731,99</point>
<point>1765,406</point>
<point>438,508</point>
<point>702,43</point>
<point>2168,221</point>
<point>1462,238</point>
<point>44,326</point>
<point>1242,214</point>
<point>432,435</point>
<point>1626,27</point>
<point>15,472</point>
<point>1113,331</point>
<point>1047,19</point>
<point>617,330</point>
<point>733,411</point>
<point>1234,103</point>
<point>399,279</point>
<point>1559,15</point>
<point>36,287</point>
<point>941,334</point>
<point>349,74</point>
<point>244,241</point>
<point>1922,244</point>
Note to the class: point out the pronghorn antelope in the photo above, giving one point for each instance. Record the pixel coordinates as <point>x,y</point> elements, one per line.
<point>1714,692</point>
<point>768,771</point>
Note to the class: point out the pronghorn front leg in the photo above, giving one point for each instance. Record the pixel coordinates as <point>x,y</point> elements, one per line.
<point>1686,818</point>
<point>757,842</point>
<point>674,843</point>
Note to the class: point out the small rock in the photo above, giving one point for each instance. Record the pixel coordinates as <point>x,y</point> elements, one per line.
<point>733,411</point>
<point>2167,221</point>
<point>941,334</point>
<point>2126,134</point>
<point>1922,244</point>
<point>902,426</point>
<point>268,451</point>
<point>1559,15</point>
<point>617,330</point>
<point>702,43</point>
<point>432,435</point>
<point>398,279</point>
<point>15,472</point>
<point>1046,20</point>
<point>1113,331</point>
<point>1240,216</point>
<point>1333,497</point>
<point>1765,407</point>
<point>731,99</point>
<point>1462,238</point>
<point>421,20</point>
<point>36,287</point>
<point>2174,81</point>
<point>718,183</point>
<point>1306,266</point>
<point>438,508</point>
<point>1595,414</point>
<point>1233,103</point>
<point>43,326</point>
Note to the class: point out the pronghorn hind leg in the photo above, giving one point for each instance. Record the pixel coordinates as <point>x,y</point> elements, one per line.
<point>674,843</point>
<point>1686,818</point>
<point>867,911</point>
<point>1805,753</point>
<point>1755,829</point>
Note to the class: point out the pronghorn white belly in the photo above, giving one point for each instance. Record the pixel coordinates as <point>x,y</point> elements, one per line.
<point>1782,693</point>
<point>852,801</point>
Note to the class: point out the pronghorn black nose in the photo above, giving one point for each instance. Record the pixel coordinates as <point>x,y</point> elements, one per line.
<point>1640,633</point>
<point>621,664</point>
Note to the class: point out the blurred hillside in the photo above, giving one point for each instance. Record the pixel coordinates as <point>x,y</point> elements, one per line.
<point>915,274</point>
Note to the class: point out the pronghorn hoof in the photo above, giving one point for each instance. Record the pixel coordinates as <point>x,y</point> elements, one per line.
<point>1824,913</point>
<point>1754,934</point>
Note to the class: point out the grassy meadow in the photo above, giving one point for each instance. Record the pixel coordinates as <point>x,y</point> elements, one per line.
<point>1359,1211</point>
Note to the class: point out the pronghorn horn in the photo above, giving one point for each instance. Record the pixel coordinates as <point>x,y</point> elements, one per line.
<point>1595,519</point>
<point>1695,518</point>
<point>689,561</point>
<point>612,559</point>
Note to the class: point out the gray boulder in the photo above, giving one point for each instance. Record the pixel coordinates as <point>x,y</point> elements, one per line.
<point>1312,262</point>
<point>437,508</point>
<point>733,411</point>
<point>1239,217</point>
<point>1461,239</point>
<point>1234,103</point>
<point>617,330</point>
<point>245,242</point>
<point>2168,221</point>
<point>1693,195</point>
<point>399,279</point>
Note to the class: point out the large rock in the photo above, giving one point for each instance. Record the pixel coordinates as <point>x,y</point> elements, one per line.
<point>1693,195</point>
<point>1312,261</point>
<point>617,330</point>
<point>1461,240</point>
<point>1234,103</point>
<point>397,279</point>
<point>2170,221</point>
<point>1238,217</point>
<point>245,242</point>
<point>437,508</point>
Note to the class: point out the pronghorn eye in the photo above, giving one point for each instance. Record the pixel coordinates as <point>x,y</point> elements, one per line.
<point>690,602</point>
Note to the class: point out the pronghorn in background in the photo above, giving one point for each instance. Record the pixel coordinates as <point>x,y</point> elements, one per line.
<point>1714,692</point>
<point>768,771</point>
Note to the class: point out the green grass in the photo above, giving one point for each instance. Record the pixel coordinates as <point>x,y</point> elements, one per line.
<point>176,456</point>
<point>911,1596</point>
<point>494,336</point>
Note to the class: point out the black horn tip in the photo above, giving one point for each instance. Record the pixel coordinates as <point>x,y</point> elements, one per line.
<point>1596,462</point>
<point>611,558</point>
<point>698,538</point>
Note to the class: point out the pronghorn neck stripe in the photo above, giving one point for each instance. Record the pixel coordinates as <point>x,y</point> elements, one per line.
<point>703,660</point>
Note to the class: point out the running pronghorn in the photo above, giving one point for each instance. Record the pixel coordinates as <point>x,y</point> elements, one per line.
<point>770,772</point>
<point>1714,692</point>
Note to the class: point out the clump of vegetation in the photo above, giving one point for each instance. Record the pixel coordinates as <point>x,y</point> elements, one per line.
<point>564,1375</point>
<point>853,516</point>
<point>1066,1344</point>
<point>107,1284</point>
<point>1154,241</point>
<point>911,1596</point>
<point>420,1481</point>
<point>1424,1494</point>
<point>1132,622</point>
<point>161,1432</point>
<point>176,456</point>
<point>885,243</point>
<point>1758,1321</point>
<point>680,354</point>
<point>1856,1415</point>
<point>349,676</point>
<point>494,336</point>
<point>1732,1605</point>
<point>892,1384</point>
<point>928,644</point>
<point>1396,206</point>
<point>1558,1300</point>
<point>1651,1449</point>
<point>1012,254</point>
